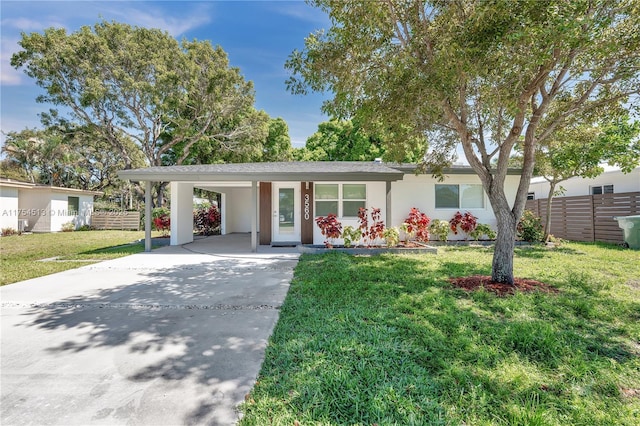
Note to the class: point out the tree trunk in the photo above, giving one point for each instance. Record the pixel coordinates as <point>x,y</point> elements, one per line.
<point>502,267</point>
<point>547,221</point>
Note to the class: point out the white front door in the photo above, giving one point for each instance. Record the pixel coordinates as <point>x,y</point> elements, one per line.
<point>286,212</point>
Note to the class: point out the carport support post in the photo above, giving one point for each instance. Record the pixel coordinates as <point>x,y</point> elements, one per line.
<point>254,216</point>
<point>147,215</point>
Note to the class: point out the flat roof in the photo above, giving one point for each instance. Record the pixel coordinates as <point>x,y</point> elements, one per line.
<point>294,171</point>
<point>277,171</point>
<point>10,183</point>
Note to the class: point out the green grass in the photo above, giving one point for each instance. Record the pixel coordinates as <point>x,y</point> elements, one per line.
<point>386,340</point>
<point>20,255</point>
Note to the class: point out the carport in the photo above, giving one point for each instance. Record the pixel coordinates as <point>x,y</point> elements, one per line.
<point>263,184</point>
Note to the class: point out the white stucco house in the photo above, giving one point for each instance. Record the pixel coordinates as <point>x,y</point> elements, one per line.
<point>279,201</point>
<point>42,208</point>
<point>611,181</point>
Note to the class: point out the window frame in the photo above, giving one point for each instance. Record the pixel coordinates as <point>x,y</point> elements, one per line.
<point>341,200</point>
<point>73,208</point>
<point>604,189</point>
<point>460,196</point>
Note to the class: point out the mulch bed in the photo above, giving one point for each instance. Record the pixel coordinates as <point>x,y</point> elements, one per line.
<point>475,282</point>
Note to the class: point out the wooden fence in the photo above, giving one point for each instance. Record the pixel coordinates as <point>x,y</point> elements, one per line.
<point>589,217</point>
<point>115,220</point>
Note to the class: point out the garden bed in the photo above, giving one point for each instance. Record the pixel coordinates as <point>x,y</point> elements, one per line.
<point>318,249</point>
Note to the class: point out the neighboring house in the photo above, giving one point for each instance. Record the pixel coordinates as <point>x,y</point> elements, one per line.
<point>41,208</point>
<point>281,200</point>
<point>611,181</point>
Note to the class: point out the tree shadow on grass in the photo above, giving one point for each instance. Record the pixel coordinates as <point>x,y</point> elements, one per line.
<point>200,329</point>
<point>464,353</point>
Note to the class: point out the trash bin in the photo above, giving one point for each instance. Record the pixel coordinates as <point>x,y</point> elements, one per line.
<point>631,228</point>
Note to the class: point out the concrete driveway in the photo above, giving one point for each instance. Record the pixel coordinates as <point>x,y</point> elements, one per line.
<point>171,337</point>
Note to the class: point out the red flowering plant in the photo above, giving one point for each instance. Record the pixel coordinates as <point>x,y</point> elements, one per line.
<point>330,227</point>
<point>376,230</point>
<point>466,222</point>
<point>163,224</point>
<point>417,223</point>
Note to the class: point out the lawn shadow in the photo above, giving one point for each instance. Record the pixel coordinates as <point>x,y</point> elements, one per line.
<point>460,346</point>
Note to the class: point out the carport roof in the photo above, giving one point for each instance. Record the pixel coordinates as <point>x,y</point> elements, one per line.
<point>279,171</point>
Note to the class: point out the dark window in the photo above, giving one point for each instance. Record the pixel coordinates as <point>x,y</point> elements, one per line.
<point>73,206</point>
<point>531,196</point>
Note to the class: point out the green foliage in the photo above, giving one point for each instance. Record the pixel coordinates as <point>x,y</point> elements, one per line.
<point>169,97</point>
<point>482,229</point>
<point>481,74</point>
<point>277,146</point>
<point>439,228</point>
<point>386,340</point>
<point>351,235</point>
<point>391,236</point>
<point>346,140</point>
<point>530,227</point>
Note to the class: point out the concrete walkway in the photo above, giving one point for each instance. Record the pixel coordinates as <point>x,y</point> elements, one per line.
<point>171,337</point>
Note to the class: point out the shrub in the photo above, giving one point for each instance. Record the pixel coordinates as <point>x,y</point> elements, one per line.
<point>161,221</point>
<point>417,223</point>
<point>440,228</point>
<point>206,220</point>
<point>466,222</point>
<point>483,229</point>
<point>391,236</point>
<point>530,227</point>
<point>351,235</point>
<point>85,228</point>
<point>68,227</point>
<point>376,230</point>
<point>6,232</point>
<point>330,227</point>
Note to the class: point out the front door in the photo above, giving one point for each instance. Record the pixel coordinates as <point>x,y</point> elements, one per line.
<point>286,212</point>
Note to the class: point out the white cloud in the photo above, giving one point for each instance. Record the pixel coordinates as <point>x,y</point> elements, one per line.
<point>157,18</point>
<point>8,75</point>
<point>303,12</point>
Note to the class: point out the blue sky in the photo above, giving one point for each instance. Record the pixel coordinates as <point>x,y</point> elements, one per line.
<point>258,36</point>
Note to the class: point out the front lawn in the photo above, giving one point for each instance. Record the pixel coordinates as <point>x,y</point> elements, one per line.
<point>387,340</point>
<point>21,255</point>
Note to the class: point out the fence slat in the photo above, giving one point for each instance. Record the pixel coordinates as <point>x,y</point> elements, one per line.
<point>588,217</point>
<point>116,220</point>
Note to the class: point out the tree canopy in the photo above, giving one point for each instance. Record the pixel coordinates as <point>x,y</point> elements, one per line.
<point>141,84</point>
<point>481,75</point>
<point>346,140</point>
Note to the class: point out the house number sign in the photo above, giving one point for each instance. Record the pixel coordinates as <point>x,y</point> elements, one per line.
<point>307,207</point>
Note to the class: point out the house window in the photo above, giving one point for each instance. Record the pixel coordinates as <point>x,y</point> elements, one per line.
<point>603,189</point>
<point>531,195</point>
<point>459,196</point>
<point>343,200</point>
<point>73,205</point>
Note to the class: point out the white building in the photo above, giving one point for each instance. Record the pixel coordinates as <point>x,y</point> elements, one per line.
<point>612,180</point>
<point>281,200</point>
<point>42,208</point>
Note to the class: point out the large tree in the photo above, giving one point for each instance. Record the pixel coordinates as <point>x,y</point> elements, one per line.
<point>68,157</point>
<point>347,140</point>
<point>142,83</point>
<point>476,74</point>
